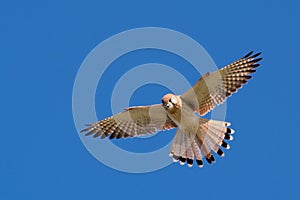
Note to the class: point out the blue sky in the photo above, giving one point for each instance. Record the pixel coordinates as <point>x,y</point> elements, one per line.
<point>43,44</point>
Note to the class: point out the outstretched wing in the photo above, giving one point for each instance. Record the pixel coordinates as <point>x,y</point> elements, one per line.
<point>135,121</point>
<point>213,88</point>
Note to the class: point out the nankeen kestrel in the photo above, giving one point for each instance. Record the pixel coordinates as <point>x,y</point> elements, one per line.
<point>196,137</point>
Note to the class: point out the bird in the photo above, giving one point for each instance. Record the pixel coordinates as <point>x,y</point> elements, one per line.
<point>196,138</point>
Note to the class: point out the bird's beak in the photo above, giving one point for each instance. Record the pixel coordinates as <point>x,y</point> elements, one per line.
<point>166,105</point>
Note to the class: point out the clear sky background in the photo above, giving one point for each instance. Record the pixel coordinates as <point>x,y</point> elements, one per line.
<point>43,44</point>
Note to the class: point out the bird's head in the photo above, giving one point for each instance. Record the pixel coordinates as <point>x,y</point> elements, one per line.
<point>169,101</point>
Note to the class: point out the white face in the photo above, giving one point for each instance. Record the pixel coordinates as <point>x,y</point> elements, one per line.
<point>170,104</point>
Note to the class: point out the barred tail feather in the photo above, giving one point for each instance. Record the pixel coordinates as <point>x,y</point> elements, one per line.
<point>189,146</point>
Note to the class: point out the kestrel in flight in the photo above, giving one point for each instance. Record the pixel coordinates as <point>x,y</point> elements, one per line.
<point>195,137</point>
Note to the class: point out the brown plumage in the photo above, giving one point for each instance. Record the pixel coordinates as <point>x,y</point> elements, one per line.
<point>213,88</point>
<point>196,137</point>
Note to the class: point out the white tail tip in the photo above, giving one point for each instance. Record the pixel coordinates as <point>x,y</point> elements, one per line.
<point>227,123</point>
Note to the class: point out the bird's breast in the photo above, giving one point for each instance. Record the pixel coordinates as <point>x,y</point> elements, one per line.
<point>184,117</point>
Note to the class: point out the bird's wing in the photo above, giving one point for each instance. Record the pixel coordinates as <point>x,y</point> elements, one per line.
<point>213,88</point>
<point>134,121</point>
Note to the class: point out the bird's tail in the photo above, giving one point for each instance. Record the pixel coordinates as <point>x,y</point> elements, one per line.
<point>189,145</point>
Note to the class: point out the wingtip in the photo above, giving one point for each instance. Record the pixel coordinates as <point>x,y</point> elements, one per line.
<point>248,54</point>
<point>257,60</point>
<point>85,130</point>
<point>257,54</point>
